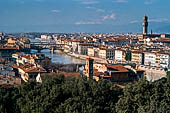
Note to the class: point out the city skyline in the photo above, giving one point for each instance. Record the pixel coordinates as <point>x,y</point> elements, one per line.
<point>83,16</point>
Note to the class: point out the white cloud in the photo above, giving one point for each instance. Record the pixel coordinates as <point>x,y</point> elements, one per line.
<point>87,23</point>
<point>110,17</point>
<point>97,21</point>
<point>55,11</point>
<point>121,1</point>
<point>148,2</point>
<point>100,10</point>
<point>97,10</point>
<point>89,2</point>
<point>159,20</point>
<point>90,7</point>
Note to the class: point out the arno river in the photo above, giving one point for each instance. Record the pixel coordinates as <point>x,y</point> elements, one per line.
<point>59,57</point>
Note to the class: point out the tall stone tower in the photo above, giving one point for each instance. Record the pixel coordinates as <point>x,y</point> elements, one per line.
<point>145,25</point>
<point>89,68</point>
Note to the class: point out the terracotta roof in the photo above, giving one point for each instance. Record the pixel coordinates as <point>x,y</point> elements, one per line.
<point>36,70</point>
<point>164,53</point>
<point>117,68</point>
<point>8,47</point>
<point>18,53</point>
<point>27,56</point>
<point>86,44</point>
<point>107,49</point>
<point>137,52</point>
<point>29,68</point>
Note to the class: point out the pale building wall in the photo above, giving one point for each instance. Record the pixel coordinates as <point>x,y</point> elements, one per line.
<point>137,58</point>
<point>150,59</point>
<point>118,55</point>
<point>90,51</point>
<point>102,53</point>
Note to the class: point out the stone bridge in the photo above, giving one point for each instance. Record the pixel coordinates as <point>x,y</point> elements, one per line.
<point>46,45</point>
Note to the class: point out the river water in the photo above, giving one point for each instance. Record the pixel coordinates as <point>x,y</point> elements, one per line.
<point>58,56</point>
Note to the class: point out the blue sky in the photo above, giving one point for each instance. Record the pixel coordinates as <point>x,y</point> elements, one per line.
<point>83,15</point>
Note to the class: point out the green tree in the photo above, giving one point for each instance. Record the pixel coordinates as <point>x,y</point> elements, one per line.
<point>145,97</point>
<point>168,76</point>
<point>8,97</point>
<point>68,95</point>
<point>128,55</point>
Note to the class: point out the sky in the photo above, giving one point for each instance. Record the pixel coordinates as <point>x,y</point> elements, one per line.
<point>92,16</point>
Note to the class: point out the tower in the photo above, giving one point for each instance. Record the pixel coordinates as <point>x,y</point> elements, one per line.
<point>89,63</point>
<point>145,25</point>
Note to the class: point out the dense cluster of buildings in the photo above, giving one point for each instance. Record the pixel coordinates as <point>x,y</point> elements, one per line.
<point>16,65</point>
<point>116,57</point>
<point>144,49</point>
<point>149,52</point>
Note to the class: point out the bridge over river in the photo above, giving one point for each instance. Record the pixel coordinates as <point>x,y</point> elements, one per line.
<point>58,56</point>
<point>46,45</point>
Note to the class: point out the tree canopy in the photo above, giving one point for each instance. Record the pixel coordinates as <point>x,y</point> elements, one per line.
<point>61,94</point>
<point>145,97</point>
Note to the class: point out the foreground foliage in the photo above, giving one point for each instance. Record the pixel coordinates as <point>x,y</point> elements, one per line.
<point>145,97</point>
<point>61,94</point>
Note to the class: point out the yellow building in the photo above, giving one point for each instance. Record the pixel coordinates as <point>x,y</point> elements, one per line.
<point>106,53</point>
<point>83,48</point>
<point>11,41</point>
<point>158,59</point>
<point>90,51</point>
<point>102,53</point>
<point>137,57</point>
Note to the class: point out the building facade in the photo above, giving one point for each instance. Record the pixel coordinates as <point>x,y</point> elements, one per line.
<point>138,57</point>
<point>150,59</point>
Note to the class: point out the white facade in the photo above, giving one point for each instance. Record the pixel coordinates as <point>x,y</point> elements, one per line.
<point>75,45</point>
<point>45,37</point>
<point>164,61</point>
<point>118,55</point>
<point>25,59</point>
<point>55,37</point>
<point>150,59</point>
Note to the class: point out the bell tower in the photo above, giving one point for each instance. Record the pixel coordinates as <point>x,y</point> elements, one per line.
<point>145,25</point>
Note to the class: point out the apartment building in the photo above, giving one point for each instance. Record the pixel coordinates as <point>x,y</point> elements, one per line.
<point>91,51</point>
<point>137,57</point>
<point>75,44</point>
<point>120,55</point>
<point>164,60</point>
<point>26,59</point>
<point>157,62</point>
<point>83,48</point>
<point>150,59</point>
<point>106,53</point>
